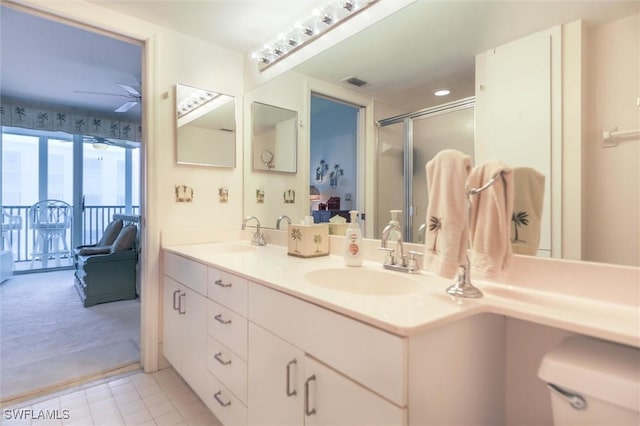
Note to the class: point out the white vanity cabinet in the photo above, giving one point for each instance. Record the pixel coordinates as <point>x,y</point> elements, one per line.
<point>291,345</point>
<point>227,347</point>
<point>185,310</point>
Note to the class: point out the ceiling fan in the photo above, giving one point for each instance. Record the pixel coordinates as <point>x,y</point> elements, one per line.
<point>133,95</point>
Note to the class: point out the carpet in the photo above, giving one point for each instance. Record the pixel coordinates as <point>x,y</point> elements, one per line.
<point>47,337</point>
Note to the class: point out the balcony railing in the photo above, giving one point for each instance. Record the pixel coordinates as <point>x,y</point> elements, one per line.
<point>94,220</point>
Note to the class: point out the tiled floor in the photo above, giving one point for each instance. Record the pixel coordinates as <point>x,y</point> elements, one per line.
<point>160,398</point>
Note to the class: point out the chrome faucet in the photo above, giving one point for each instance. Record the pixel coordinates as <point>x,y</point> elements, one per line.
<point>284,216</point>
<point>395,259</point>
<point>258,238</point>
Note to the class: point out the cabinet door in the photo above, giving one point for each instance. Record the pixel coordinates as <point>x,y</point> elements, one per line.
<point>171,335</point>
<point>276,373</point>
<point>193,307</point>
<point>332,399</point>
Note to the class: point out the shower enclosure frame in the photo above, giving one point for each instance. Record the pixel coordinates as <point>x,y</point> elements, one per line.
<point>408,145</point>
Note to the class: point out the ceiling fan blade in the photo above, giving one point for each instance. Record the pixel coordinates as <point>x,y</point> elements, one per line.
<point>130,90</point>
<point>126,106</point>
<point>100,93</point>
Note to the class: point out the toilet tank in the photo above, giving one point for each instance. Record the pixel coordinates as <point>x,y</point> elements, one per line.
<point>593,382</point>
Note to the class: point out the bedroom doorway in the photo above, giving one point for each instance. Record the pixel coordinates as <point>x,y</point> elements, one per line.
<point>77,165</point>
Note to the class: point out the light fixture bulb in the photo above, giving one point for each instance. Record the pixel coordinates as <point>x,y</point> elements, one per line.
<point>442,92</point>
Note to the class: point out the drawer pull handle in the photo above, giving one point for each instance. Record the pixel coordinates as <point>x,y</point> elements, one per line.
<point>289,391</point>
<point>221,284</point>
<point>180,299</point>
<point>220,401</point>
<point>218,358</point>
<point>306,396</point>
<point>222,321</point>
<point>175,302</point>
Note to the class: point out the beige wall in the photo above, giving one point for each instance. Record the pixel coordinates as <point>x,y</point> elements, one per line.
<point>612,213</point>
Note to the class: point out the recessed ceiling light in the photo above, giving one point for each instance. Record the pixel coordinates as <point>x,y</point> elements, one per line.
<point>442,92</point>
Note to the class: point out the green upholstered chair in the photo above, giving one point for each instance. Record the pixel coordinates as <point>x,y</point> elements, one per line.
<point>106,273</point>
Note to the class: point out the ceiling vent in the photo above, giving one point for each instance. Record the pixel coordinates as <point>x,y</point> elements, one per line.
<point>354,81</point>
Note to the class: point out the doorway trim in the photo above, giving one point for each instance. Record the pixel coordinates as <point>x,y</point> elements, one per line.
<point>149,233</point>
<point>366,141</point>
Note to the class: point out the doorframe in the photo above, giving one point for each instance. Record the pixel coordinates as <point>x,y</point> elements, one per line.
<point>366,143</point>
<point>71,14</point>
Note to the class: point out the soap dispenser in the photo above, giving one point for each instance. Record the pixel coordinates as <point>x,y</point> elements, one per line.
<point>353,242</point>
<point>395,220</point>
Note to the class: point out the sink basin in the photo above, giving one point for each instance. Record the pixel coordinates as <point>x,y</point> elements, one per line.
<point>363,281</point>
<point>229,248</point>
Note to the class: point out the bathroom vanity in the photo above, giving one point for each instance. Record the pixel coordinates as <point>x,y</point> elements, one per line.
<point>265,338</point>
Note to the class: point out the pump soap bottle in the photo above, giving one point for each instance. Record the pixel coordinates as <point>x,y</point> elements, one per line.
<point>353,242</point>
<point>395,215</point>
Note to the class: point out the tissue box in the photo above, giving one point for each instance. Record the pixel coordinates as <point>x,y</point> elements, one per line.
<point>308,240</point>
<point>338,229</point>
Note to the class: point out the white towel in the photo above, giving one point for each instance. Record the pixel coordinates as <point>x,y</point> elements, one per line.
<point>490,222</point>
<point>446,237</point>
<point>528,199</point>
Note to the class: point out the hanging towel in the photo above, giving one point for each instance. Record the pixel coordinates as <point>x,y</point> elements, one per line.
<point>490,221</point>
<point>446,237</point>
<point>528,196</point>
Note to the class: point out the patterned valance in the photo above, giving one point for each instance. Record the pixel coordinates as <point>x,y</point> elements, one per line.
<point>16,115</point>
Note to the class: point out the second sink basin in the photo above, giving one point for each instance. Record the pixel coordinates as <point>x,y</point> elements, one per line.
<point>363,281</point>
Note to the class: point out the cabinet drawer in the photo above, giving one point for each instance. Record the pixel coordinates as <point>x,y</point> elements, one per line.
<point>228,367</point>
<point>370,356</point>
<point>224,405</point>
<point>228,327</point>
<point>228,290</point>
<point>191,274</point>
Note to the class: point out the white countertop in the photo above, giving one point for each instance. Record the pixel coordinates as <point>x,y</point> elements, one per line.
<point>429,306</point>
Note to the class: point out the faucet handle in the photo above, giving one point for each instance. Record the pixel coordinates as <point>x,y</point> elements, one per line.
<point>413,261</point>
<point>388,259</point>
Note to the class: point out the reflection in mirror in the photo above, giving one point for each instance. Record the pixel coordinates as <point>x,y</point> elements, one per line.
<point>206,127</point>
<point>274,138</point>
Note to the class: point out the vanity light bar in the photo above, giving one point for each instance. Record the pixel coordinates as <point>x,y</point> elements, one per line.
<point>196,99</point>
<point>305,31</point>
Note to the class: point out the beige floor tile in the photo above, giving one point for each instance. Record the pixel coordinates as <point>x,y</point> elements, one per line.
<point>98,396</point>
<point>137,418</point>
<point>104,405</point>
<point>205,419</point>
<point>132,407</point>
<point>169,419</point>
<point>192,410</point>
<point>126,397</point>
<point>123,388</point>
<point>149,390</point>
<point>161,409</point>
<point>107,415</point>
<point>159,398</point>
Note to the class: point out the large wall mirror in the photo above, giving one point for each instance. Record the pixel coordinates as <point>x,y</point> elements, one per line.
<point>205,127</point>
<point>274,138</point>
<point>417,62</point>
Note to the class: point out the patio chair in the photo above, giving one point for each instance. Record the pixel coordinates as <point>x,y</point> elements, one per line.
<point>50,220</point>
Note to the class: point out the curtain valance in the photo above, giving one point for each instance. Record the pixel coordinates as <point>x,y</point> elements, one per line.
<point>16,115</point>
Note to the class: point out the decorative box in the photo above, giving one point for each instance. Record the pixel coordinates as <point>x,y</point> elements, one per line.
<point>338,229</point>
<point>308,240</point>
